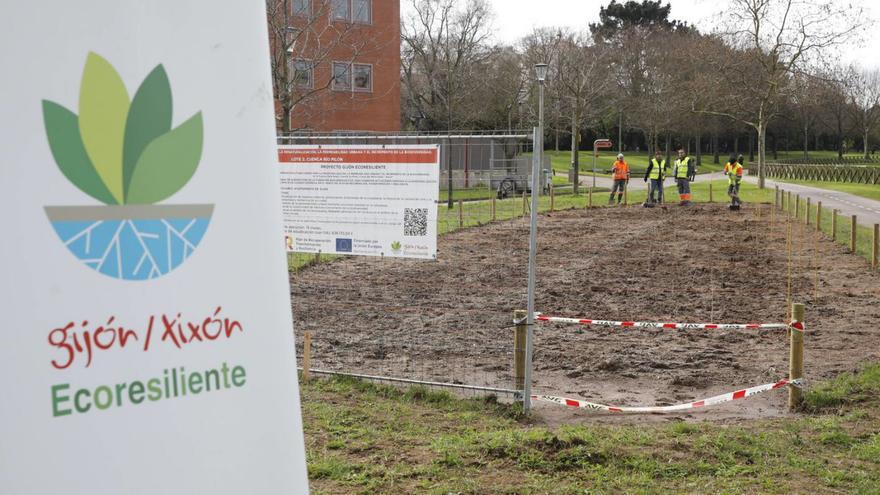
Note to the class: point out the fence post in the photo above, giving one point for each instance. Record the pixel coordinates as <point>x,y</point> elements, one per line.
<point>875,246</point>
<point>796,356</point>
<point>807,212</point>
<point>626,193</point>
<point>819,216</point>
<point>519,349</point>
<point>797,206</point>
<point>318,257</point>
<point>552,198</point>
<point>788,202</point>
<point>834,224</point>
<point>460,214</point>
<point>710,193</point>
<point>776,198</point>
<point>854,228</point>
<point>307,355</point>
<point>524,203</point>
<point>590,200</point>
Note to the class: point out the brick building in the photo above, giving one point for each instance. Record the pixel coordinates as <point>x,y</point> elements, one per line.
<point>343,63</point>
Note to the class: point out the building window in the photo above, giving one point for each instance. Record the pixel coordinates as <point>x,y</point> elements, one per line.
<point>303,74</point>
<point>362,77</point>
<point>359,11</point>
<point>302,7</point>
<point>339,10</point>
<point>341,76</point>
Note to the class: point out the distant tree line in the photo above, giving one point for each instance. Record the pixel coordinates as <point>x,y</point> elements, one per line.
<point>765,78</point>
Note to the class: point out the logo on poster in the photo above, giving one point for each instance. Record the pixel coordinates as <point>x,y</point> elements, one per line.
<point>124,153</point>
<point>343,245</point>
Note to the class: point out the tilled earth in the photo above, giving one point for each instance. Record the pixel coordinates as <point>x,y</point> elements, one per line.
<point>450,320</point>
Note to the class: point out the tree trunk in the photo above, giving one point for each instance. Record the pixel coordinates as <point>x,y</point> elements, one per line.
<point>715,158</point>
<point>557,139</point>
<point>285,119</point>
<point>806,142</point>
<point>668,147</point>
<point>775,147</point>
<point>620,132</point>
<point>867,153</point>
<point>575,134</point>
<point>762,153</point>
<point>699,140</point>
<point>736,145</point>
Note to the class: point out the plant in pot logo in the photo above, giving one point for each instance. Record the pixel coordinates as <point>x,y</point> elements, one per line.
<point>395,247</point>
<point>124,153</point>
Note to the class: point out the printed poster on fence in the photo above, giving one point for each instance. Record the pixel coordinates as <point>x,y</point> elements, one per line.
<point>147,345</point>
<point>361,200</point>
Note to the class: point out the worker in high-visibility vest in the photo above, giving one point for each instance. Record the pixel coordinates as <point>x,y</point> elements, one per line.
<point>656,173</point>
<point>620,171</point>
<point>734,172</point>
<point>684,172</point>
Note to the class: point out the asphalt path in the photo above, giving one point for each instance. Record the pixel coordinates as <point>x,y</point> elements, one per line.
<point>866,210</point>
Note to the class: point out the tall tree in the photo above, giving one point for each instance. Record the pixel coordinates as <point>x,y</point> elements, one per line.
<point>773,40</point>
<point>865,98</point>
<point>445,48</point>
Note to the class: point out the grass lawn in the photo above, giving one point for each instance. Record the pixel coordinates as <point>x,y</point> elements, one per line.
<point>367,438</point>
<point>870,191</point>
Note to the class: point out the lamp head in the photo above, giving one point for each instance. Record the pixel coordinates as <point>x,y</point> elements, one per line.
<point>541,71</point>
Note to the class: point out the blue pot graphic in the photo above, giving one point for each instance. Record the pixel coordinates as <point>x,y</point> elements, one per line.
<point>131,242</point>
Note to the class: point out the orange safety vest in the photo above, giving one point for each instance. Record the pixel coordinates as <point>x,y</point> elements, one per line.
<point>621,170</point>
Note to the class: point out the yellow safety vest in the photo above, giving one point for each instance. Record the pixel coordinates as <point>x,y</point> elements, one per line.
<point>681,168</point>
<point>657,169</point>
<point>733,172</point>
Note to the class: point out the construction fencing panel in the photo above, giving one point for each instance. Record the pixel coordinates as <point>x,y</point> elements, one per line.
<point>447,321</point>
<point>856,174</point>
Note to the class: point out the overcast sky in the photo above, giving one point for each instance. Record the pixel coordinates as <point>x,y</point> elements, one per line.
<point>515,18</point>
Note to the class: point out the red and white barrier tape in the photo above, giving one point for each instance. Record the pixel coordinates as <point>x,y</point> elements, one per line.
<point>797,325</point>
<point>711,401</point>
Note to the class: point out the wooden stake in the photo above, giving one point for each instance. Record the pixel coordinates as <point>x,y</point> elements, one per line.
<point>710,193</point>
<point>797,206</point>
<point>807,212</point>
<point>317,257</point>
<point>525,203</point>
<point>854,229</point>
<point>493,208</point>
<point>519,349</point>
<point>834,224</point>
<point>590,202</point>
<point>790,267</point>
<point>460,214</point>
<point>819,216</point>
<point>796,358</point>
<point>307,355</point>
<point>875,246</point>
<point>776,198</point>
<point>552,199</point>
<point>626,193</point>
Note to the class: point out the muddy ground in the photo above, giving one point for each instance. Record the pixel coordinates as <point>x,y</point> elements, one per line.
<point>449,320</point>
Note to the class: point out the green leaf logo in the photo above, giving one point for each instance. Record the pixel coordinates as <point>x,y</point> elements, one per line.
<point>120,150</point>
<point>395,246</point>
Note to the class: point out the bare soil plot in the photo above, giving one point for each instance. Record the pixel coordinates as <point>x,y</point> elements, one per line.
<point>450,320</point>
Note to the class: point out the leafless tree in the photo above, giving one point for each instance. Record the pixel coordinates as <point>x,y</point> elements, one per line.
<point>804,94</point>
<point>774,39</point>
<point>582,78</point>
<point>445,48</point>
<point>865,102</point>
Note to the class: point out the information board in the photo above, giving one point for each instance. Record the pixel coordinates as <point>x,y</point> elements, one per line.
<point>361,200</point>
<point>148,341</point>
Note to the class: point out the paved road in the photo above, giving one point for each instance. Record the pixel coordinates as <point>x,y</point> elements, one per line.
<point>867,210</point>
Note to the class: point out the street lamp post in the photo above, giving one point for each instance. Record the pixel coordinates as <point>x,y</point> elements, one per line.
<point>537,162</point>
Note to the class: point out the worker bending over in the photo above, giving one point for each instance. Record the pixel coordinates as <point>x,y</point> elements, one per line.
<point>656,173</point>
<point>684,172</point>
<point>620,170</point>
<point>734,172</point>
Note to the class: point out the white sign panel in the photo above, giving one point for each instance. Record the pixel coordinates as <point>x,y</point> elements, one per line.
<point>148,344</point>
<point>361,200</point>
